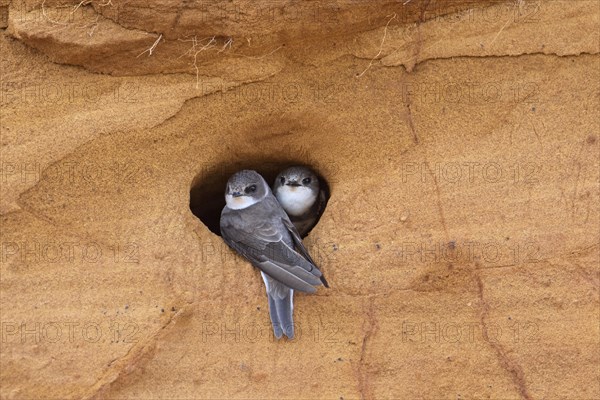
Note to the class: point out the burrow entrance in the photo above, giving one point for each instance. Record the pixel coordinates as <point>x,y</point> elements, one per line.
<point>207,194</point>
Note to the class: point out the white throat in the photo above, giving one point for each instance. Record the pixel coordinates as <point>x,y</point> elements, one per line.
<point>238,203</point>
<point>295,200</point>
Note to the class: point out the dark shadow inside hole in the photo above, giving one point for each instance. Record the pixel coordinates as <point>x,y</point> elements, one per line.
<point>207,194</point>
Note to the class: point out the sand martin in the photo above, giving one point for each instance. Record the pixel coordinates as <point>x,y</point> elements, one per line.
<point>298,191</point>
<point>254,224</point>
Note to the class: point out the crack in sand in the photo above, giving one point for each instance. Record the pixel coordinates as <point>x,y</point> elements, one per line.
<point>364,386</point>
<point>180,7</point>
<point>236,85</point>
<point>410,121</point>
<point>127,363</point>
<point>419,42</point>
<point>464,57</point>
<point>75,150</point>
<point>514,369</point>
<point>439,201</point>
<point>589,277</point>
<point>78,237</point>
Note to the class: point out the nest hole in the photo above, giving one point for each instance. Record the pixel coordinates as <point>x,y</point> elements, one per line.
<point>207,194</point>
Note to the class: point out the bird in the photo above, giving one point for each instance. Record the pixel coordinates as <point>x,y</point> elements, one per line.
<point>254,224</point>
<point>301,195</point>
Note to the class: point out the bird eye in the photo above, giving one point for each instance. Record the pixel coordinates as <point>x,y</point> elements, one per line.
<point>250,189</point>
<point>282,180</point>
<point>306,181</point>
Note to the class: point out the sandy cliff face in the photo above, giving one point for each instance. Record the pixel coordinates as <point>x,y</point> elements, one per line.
<point>460,143</point>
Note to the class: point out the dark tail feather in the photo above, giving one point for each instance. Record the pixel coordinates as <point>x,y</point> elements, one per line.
<point>277,331</point>
<point>285,313</point>
<point>324,281</point>
<point>281,307</point>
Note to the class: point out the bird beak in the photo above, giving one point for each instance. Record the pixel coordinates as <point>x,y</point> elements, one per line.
<point>236,194</point>
<point>293,183</point>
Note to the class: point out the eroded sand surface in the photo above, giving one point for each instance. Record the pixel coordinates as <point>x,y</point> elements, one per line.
<point>461,239</point>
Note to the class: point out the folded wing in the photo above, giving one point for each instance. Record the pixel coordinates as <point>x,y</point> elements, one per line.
<point>264,246</point>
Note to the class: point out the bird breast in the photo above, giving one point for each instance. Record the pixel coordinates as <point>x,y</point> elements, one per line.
<point>295,200</point>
